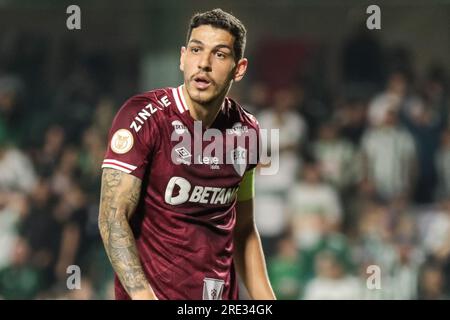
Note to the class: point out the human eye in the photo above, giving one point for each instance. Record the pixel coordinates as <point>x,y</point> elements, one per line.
<point>221,55</point>
<point>195,49</point>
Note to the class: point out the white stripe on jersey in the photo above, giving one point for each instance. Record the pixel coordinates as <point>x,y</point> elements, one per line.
<point>177,100</point>
<point>113,166</point>
<point>183,102</point>
<point>120,163</point>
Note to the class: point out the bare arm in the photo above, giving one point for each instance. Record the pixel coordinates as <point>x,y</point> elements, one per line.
<point>119,196</point>
<point>248,255</point>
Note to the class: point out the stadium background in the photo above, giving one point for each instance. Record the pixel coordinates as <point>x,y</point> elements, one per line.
<point>363,116</point>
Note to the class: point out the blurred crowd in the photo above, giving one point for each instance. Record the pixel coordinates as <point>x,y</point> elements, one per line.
<point>53,133</point>
<point>360,207</point>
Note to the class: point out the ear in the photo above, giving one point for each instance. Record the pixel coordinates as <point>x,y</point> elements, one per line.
<point>182,54</point>
<point>241,68</point>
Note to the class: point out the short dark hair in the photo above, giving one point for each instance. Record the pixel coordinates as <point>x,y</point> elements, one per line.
<point>223,20</point>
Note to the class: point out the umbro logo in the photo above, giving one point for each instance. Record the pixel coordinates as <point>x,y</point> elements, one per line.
<point>182,155</point>
<point>183,152</point>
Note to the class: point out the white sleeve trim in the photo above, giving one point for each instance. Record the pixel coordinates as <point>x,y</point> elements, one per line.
<point>120,163</point>
<point>177,100</point>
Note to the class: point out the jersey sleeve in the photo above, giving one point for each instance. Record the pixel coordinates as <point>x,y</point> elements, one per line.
<point>131,139</point>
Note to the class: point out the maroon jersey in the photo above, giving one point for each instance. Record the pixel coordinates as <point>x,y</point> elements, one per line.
<point>184,221</point>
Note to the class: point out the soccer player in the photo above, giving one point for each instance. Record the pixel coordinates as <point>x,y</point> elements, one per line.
<point>177,224</point>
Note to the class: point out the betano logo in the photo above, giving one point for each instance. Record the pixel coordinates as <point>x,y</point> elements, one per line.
<point>199,194</point>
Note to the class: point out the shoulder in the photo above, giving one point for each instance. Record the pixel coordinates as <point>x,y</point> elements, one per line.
<point>158,98</point>
<point>144,108</point>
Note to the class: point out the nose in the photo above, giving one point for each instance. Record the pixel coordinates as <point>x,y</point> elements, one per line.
<point>204,62</point>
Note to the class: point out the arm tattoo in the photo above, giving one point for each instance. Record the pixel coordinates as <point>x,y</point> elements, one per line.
<point>119,197</point>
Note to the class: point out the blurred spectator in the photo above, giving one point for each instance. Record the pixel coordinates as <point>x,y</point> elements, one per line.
<point>425,125</point>
<point>285,270</point>
<point>442,162</point>
<point>374,237</point>
<point>11,112</point>
<point>332,282</point>
<point>351,116</point>
<point>336,157</point>
<point>436,238</point>
<point>332,241</point>
<point>403,278</point>
<point>16,170</point>
<point>13,207</point>
<point>436,93</point>
<point>435,229</point>
<point>272,189</point>
<point>313,207</point>
<point>103,116</point>
<point>91,157</point>
<point>397,97</point>
<point>258,97</point>
<point>431,283</point>
<point>71,214</point>
<point>292,129</point>
<point>270,226</point>
<point>76,93</point>
<point>20,280</point>
<point>389,241</point>
<point>66,171</point>
<point>311,104</point>
<point>42,231</point>
<point>48,155</point>
<point>362,61</point>
<point>389,156</point>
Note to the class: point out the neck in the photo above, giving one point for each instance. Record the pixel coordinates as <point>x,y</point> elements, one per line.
<point>206,113</point>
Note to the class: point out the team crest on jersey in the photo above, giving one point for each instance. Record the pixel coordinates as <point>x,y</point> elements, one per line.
<point>212,289</point>
<point>122,141</point>
<point>239,159</point>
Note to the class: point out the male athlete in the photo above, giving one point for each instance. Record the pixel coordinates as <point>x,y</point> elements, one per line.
<point>176,223</point>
